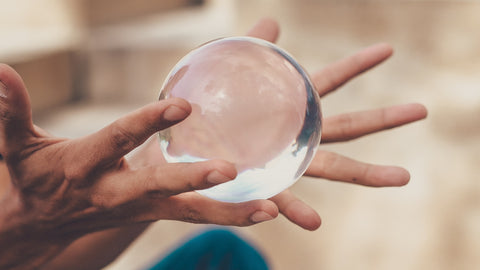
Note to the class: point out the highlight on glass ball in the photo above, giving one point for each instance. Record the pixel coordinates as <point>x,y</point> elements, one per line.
<point>252,105</point>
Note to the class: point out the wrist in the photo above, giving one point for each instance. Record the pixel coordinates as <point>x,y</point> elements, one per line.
<point>22,244</point>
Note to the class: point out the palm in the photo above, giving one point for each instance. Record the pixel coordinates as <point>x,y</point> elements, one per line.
<point>343,128</point>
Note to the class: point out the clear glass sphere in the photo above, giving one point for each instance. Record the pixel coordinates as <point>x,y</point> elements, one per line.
<point>252,105</point>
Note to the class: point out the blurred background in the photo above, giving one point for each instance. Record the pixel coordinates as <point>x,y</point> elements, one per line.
<point>88,62</point>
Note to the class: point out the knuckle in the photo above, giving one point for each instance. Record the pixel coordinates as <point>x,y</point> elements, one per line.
<point>158,193</point>
<point>155,187</point>
<point>190,186</point>
<point>5,114</point>
<point>384,119</point>
<point>331,78</point>
<point>108,198</point>
<point>365,176</point>
<point>121,138</point>
<point>331,161</point>
<point>345,125</point>
<point>166,182</point>
<point>191,215</point>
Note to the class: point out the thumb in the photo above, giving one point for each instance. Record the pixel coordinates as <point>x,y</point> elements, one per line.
<point>15,111</point>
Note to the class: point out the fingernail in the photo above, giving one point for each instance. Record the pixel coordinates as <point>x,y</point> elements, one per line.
<point>260,216</point>
<point>174,113</point>
<point>3,90</point>
<point>216,177</point>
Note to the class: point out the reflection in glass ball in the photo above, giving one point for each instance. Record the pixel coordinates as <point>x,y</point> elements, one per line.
<point>252,105</point>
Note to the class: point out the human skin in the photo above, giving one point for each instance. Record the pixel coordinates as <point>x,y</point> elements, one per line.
<point>343,128</point>
<point>62,189</point>
<point>74,188</point>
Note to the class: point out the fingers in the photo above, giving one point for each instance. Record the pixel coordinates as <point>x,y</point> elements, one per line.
<point>266,29</point>
<point>336,74</point>
<point>353,125</point>
<point>161,181</point>
<point>194,208</point>
<point>15,111</point>
<point>297,211</point>
<point>335,167</point>
<point>128,132</point>
<point>164,193</point>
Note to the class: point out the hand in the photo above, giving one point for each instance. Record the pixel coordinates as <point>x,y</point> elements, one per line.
<point>343,128</point>
<point>62,189</point>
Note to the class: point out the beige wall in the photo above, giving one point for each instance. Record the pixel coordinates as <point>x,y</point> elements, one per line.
<point>49,42</point>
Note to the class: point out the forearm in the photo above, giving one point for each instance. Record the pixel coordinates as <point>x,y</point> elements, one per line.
<point>25,254</point>
<point>21,247</point>
<point>96,250</point>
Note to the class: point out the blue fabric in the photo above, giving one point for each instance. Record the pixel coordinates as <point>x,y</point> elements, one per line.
<point>213,250</point>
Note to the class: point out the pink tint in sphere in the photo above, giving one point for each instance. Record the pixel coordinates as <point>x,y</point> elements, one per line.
<point>252,105</point>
